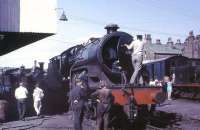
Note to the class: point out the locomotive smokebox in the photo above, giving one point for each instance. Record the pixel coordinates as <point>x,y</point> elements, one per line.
<point>104,58</point>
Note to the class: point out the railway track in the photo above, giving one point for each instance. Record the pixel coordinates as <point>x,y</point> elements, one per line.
<point>163,121</point>
<point>150,127</point>
<point>65,122</point>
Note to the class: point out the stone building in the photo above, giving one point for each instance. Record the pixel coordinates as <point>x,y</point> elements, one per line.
<point>190,48</point>
<point>158,50</point>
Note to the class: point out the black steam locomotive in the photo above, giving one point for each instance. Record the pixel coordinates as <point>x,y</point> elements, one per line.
<point>99,59</point>
<point>9,81</point>
<point>105,59</point>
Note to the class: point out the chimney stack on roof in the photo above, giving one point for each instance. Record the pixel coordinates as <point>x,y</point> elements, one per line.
<point>191,33</point>
<point>170,42</point>
<point>178,41</point>
<point>148,38</point>
<point>198,37</point>
<point>191,36</point>
<point>158,41</point>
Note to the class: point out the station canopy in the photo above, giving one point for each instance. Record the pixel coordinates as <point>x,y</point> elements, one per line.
<point>12,41</point>
<point>23,22</point>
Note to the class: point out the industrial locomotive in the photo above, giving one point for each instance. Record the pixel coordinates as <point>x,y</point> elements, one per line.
<point>106,59</point>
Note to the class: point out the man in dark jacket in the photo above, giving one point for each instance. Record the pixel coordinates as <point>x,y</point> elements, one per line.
<point>78,98</point>
<point>105,100</point>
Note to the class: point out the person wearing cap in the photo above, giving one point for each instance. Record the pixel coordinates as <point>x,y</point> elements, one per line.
<point>21,94</point>
<point>105,100</point>
<point>38,95</point>
<point>137,47</point>
<point>78,97</point>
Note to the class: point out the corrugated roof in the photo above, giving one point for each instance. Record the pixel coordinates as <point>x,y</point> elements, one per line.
<point>163,49</point>
<point>162,59</point>
<point>155,60</point>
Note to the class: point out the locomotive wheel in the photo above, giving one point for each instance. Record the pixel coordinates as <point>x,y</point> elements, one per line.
<point>145,112</point>
<point>119,118</point>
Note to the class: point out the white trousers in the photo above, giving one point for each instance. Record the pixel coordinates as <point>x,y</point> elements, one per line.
<point>137,65</point>
<point>37,106</point>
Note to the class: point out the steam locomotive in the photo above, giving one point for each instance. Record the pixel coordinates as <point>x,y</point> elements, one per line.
<point>9,81</point>
<point>99,59</point>
<point>106,59</point>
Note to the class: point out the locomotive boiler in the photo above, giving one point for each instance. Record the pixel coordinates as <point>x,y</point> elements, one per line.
<point>107,59</point>
<point>100,58</point>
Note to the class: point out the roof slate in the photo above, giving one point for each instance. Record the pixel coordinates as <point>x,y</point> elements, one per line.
<point>163,48</point>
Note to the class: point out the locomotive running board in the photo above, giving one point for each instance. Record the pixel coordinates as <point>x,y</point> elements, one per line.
<point>142,95</point>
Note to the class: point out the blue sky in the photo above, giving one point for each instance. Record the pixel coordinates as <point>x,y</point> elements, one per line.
<point>160,18</point>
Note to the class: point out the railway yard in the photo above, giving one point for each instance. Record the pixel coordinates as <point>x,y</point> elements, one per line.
<point>180,114</point>
<point>123,78</point>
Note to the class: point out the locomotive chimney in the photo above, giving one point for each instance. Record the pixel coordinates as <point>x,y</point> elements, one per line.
<point>34,66</point>
<point>111,28</point>
<point>170,42</point>
<point>35,63</point>
<point>41,64</point>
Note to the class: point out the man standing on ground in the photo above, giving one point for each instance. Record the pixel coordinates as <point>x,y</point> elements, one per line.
<point>78,97</point>
<point>105,100</point>
<point>137,57</point>
<point>38,95</point>
<point>21,94</point>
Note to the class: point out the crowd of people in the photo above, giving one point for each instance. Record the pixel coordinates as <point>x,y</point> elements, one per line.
<point>166,84</point>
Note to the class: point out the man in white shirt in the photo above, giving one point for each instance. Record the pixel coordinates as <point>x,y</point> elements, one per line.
<point>21,94</point>
<point>38,95</point>
<point>137,47</point>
